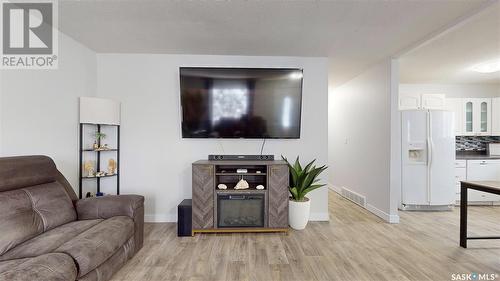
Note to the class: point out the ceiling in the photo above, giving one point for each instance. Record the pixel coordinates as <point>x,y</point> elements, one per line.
<point>353,34</point>
<point>447,58</point>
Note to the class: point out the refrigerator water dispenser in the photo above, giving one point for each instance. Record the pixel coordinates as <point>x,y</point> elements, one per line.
<point>417,153</point>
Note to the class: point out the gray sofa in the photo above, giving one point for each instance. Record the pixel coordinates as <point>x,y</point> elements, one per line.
<point>46,233</point>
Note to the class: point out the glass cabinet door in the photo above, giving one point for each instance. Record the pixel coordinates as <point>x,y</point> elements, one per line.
<point>468,117</point>
<point>484,117</point>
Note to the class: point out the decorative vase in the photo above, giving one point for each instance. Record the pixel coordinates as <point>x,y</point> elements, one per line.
<point>298,213</point>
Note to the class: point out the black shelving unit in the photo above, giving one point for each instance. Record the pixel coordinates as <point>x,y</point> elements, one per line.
<point>98,158</point>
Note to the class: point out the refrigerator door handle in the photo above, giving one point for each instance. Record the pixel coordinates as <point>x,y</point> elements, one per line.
<point>429,152</point>
<point>432,151</point>
<point>429,156</point>
<point>429,138</point>
<point>431,147</point>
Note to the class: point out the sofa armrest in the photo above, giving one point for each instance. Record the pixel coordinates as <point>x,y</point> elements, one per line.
<point>106,207</point>
<point>109,206</point>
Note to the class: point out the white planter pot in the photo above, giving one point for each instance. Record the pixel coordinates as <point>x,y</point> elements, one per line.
<point>298,213</point>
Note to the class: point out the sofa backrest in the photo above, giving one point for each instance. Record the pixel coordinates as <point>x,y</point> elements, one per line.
<point>33,199</point>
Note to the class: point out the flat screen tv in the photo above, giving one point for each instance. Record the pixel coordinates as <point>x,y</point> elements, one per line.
<point>241,102</point>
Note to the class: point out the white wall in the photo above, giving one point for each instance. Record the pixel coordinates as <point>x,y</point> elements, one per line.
<point>396,154</point>
<point>360,138</point>
<point>156,161</point>
<point>453,90</point>
<point>39,108</point>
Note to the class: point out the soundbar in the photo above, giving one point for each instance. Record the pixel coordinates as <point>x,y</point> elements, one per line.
<point>218,157</point>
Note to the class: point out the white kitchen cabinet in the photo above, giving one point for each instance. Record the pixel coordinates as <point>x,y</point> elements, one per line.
<point>456,106</point>
<point>484,117</point>
<point>433,101</point>
<point>460,175</point>
<point>468,117</point>
<point>473,116</point>
<point>409,101</point>
<point>483,170</point>
<point>495,117</point>
<point>412,101</point>
<point>476,117</point>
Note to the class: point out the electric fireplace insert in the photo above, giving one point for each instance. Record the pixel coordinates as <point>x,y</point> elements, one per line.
<point>240,210</point>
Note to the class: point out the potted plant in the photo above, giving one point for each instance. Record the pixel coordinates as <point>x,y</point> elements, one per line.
<point>100,136</point>
<point>302,181</point>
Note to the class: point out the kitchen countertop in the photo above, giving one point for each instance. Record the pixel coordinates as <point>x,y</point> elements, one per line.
<point>475,156</point>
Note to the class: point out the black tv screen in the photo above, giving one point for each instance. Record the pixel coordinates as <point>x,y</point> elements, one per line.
<point>240,102</point>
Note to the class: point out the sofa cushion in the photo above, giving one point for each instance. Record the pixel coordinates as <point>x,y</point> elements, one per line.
<point>106,270</point>
<point>27,212</point>
<point>9,264</point>
<point>18,219</point>
<point>95,245</point>
<point>52,203</point>
<point>49,241</point>
<point>49,267</point>
<point>23,171</point>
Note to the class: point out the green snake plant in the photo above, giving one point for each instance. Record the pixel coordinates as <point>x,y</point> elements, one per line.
<point>303,180</point>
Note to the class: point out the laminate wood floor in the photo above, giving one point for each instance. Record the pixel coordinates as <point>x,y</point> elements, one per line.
<point>354,245</point>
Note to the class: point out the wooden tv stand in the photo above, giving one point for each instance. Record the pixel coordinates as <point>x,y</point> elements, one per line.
<point>206,175</point>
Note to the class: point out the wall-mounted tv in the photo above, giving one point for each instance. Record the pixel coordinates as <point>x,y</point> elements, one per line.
<point>241,102</point>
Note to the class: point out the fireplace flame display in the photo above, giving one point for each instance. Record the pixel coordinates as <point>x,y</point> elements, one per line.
<point>240,210</point>
<point>244,220</point>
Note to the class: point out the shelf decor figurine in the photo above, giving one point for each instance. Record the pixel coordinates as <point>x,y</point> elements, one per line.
<point>111,166</point>
<point>303,181</point>
<point>242,184</point>
<point>221,186</point>
<point>259,187</point>
<point>88,166</point>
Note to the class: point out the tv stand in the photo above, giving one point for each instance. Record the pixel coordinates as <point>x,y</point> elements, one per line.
<point>239,210</point>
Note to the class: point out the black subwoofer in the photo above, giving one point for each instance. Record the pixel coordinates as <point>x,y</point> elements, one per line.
<point>184,219</point>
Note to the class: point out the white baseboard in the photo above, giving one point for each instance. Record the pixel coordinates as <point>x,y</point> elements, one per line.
<point>372,209</point>
<point>334,188</point>
<point>319,217</point>
<point>383,215</point>
<point>159,218</point>
<point>394,219</point>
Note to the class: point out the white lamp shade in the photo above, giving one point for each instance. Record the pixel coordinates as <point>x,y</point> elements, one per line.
<point>99,111</point>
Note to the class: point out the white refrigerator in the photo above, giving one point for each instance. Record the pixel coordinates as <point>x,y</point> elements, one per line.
<point>428,156</point>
